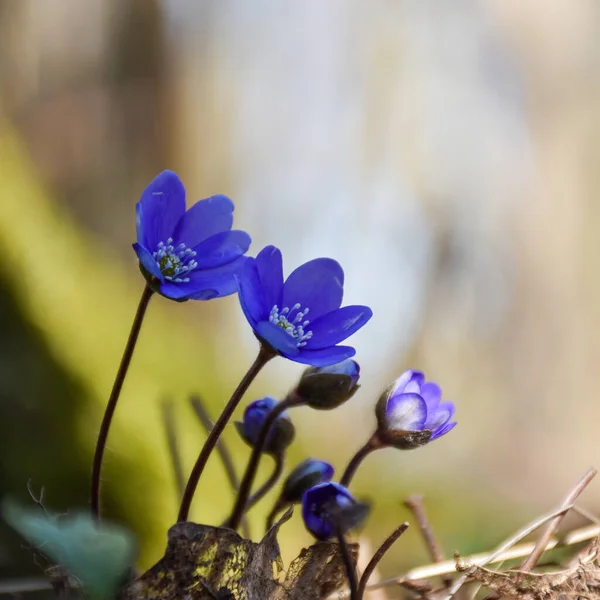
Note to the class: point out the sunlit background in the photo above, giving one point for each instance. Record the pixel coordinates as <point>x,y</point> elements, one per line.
<point>444,152</point>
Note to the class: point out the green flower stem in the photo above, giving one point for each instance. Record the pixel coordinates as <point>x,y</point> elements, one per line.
<point>113,399</point>
<point>242,498</point>
<point>373,444</point>
<point>265,354</point>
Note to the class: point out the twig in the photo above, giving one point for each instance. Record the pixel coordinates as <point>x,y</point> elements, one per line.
<point>415,504</point>
<point>586,514</point>
<point>38,500</point>
<point>506,551</point>
<point>223,452</point>
<point>169,422</point>
<point>22,586</point>
<point>508,544</point>
<point>554,524</point>
<point>372,565</point>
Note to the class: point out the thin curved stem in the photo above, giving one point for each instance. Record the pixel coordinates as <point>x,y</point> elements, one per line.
<point>171,434</point>
<point>387,544</point>
<point>277,507</point>
<point>370,446</point>
<point>265,487</point>
<point>350,566</point>
<point>265,354</point>
<point>222,451</point>
<point>242,498</point>
<point>113,399</point>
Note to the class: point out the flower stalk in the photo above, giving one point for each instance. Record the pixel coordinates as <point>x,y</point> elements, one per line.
<point>373,444</point>
<point>265,354</point>
<point>245,487</point>
<point>114,398</point>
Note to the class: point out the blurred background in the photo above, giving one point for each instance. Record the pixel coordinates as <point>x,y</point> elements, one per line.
<point>444,153</point>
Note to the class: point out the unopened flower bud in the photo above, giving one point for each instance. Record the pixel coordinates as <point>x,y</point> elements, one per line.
<point>329,509</point>
<point>410,413</point>
<point>307,474</point>
<point>328,387</point>
<point>282,431</point>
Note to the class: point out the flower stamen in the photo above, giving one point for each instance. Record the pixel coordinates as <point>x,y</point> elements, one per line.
<point>295,327</point>
<point>175,262</point>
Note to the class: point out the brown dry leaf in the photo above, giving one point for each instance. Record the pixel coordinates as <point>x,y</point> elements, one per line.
<point>318,572</point>
<point>214,563</point>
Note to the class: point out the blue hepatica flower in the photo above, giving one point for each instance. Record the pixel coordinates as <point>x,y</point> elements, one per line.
<point>411,413</point>
<point>330,506</point>
<point>190,254</point>
<point>300,318</point>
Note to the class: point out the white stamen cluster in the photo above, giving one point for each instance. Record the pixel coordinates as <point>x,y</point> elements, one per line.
<point>175,262</point>
<point>294,327</point>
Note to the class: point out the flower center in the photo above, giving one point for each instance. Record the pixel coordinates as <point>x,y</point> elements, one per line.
<point>292,322</point>
<point>175,262</point>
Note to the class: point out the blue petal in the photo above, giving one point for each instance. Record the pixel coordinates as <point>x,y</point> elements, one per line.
<point>409,381</point>
<point>441,415</point>
<point>160,208</point>
<point>443,431</point>
<point>206,284</point>
<point>335,326</point>
<point>147,261</point>
<point>207,217</point>
<point>221,248</point>
<point>270,270</point>
<point>432,394</point>
<point>250,292</point>
<point>276,337</point>
<point>325,356</point>
<point>317,285</point>
<point>406,412</point>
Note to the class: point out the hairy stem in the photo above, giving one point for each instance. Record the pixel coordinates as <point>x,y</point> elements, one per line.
<point>265,354</point>
<point>222,451</point>
<point>350,566</point>
<point>242,498</point>
<point>370,446</point>
<point>113,399</point>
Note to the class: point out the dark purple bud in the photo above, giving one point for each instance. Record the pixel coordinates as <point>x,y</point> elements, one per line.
<point>411,412</point>
<point>307,474</point>
<point>329,508</point>
<point>328,387</point>
<point>282,431</point>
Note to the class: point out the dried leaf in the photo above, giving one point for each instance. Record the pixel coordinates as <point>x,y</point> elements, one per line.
<point>214,563</point>
<point>318,572</point>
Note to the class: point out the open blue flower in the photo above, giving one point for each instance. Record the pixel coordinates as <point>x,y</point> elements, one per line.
<point>190,254</point>
<point>411,413</point>
<point>300,318</point>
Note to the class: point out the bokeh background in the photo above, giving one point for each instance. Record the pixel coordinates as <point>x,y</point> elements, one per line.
<point>444,152</point>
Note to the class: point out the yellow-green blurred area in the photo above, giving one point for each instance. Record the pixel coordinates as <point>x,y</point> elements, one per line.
<point>446,153</point>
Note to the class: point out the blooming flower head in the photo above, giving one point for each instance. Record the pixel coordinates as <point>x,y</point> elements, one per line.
<point>281,433</point>
<point>300,318</point>
<point>307,474</point>
<point>329,508</point>
<point>411,413</point>
<point>328,387</point>
<point>190,254</point>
